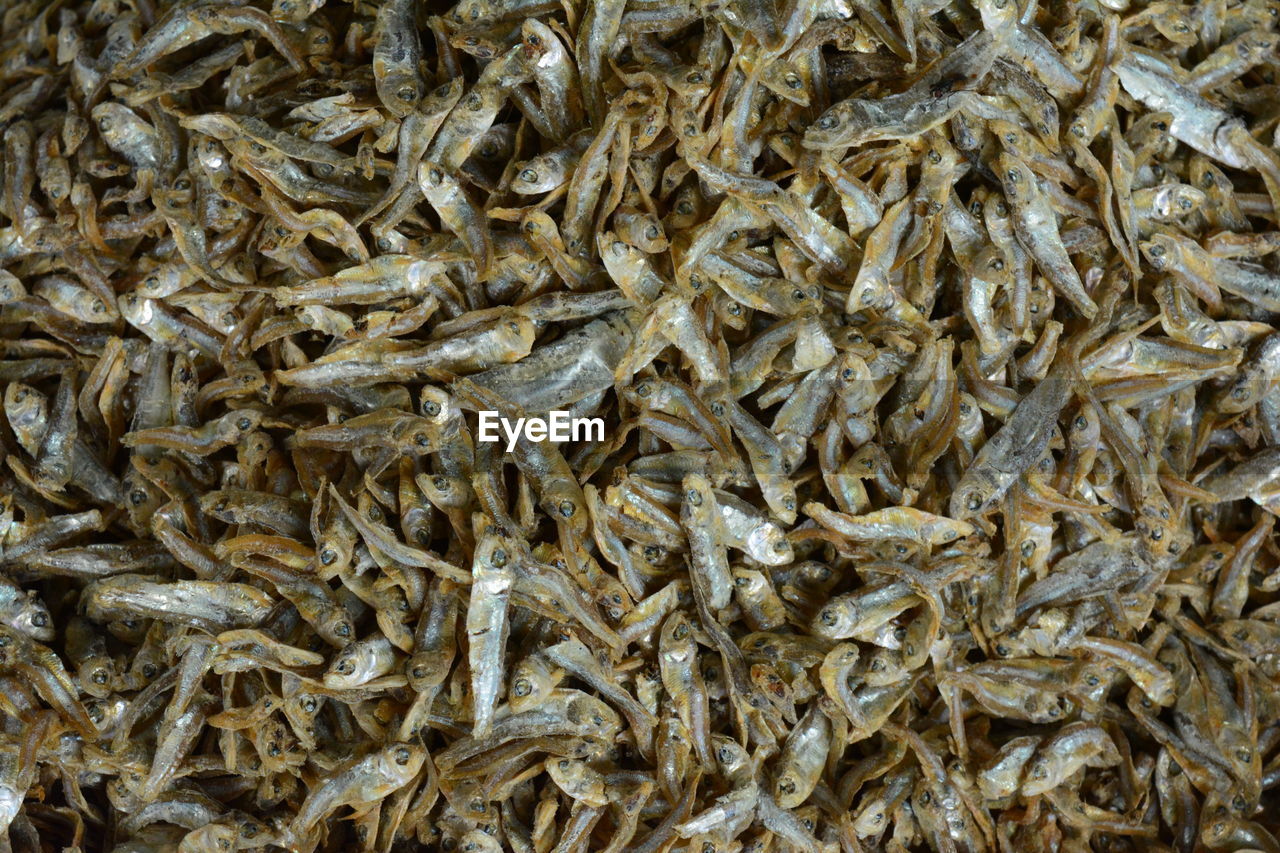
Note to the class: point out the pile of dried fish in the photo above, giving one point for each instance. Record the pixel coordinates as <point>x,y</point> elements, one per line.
<point>936,350</point>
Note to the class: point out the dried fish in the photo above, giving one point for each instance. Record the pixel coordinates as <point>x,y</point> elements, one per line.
<point>929,365</point>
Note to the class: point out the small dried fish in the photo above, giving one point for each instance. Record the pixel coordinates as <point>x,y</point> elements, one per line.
<point>921,370</point>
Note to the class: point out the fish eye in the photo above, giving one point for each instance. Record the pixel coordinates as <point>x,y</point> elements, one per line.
<point>407,94</point>
<point>430,408</point>
<point>681,631</point>
<point>149,670</point>
<point>695,77</point>
<point>694,497</point>
<point>244,424</point>
<point>827,122</point>
<point>794,82</point>
<point>421,440</point>
<point>829,617</point>
<point>973,502</point>
<point>309,705</point>
<point>384,244</point>
<point>528,176</point>
<point>345,667</point>
<point>534,40</point>
<point>138,497</point>
<point>182,185</point>
<point>797,294</point>
<point>498,557</point>
<point>342,629</point>
<point>402,756</point>
<point>684,208</point>
<point>327,556</point>
<point>935,157</point>
<point>39,620</point>
<point>567,508</point>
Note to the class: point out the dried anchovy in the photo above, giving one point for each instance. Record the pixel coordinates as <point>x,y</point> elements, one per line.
<point>936,348</point>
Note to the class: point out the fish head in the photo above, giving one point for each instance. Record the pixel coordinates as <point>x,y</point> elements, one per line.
<point>425,670</point>
<point>352,667</point>
<point>400,762</point>
<point>768,544</point>
<point>32,618</point>
<point>838,619</point>
<point>1175,201</point>
<point>834,128</point>
<point>532,681</point>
